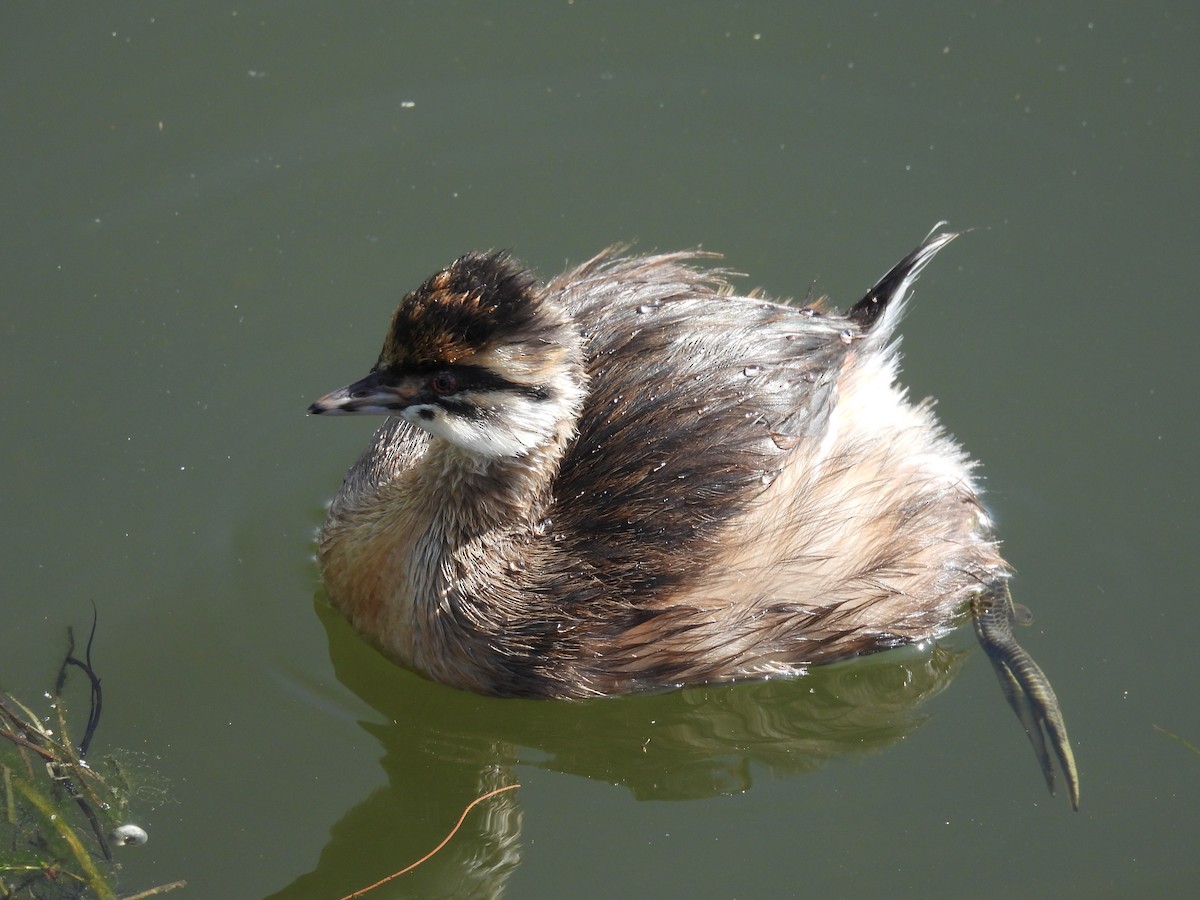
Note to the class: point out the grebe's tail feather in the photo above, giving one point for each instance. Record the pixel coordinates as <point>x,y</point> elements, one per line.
<point>878,312</point>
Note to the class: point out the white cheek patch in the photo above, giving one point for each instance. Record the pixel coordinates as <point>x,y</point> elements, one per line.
<point>505,425</point>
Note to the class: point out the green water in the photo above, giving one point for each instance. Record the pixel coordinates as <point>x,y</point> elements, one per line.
<point>206,216</point>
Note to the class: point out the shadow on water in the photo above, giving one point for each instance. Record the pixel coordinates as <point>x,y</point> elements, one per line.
<point>443,747</point>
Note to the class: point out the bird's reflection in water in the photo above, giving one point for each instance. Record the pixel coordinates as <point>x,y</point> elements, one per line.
<point>443,747</point>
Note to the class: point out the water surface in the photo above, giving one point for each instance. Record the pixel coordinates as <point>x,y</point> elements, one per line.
<point>208,213</point>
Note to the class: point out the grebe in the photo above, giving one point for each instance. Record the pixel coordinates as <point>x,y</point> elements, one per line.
<point>631,477</point>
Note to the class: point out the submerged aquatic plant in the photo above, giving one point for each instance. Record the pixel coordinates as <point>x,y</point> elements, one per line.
<point>61,817</point>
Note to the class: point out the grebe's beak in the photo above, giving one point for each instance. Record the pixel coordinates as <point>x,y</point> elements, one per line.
<point>370,395</point>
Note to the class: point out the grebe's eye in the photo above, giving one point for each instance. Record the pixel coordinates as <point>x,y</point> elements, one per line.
<point>444,383</point>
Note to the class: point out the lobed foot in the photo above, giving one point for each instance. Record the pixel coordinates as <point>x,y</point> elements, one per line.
<point>1025,685</point>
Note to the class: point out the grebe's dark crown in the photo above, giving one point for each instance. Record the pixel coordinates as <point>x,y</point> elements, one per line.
<point>478,301</point>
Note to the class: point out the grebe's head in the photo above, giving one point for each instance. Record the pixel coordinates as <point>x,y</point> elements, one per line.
<point>478,357</point>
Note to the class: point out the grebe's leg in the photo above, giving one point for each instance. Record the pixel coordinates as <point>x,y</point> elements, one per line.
<point>1025,685</point>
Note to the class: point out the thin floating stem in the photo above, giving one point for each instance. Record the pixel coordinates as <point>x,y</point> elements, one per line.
<point>453,831</point>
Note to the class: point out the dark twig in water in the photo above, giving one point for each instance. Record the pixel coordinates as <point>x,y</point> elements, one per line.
<point>15,729</point>
<point>97,696</point>
<point>77,787</point>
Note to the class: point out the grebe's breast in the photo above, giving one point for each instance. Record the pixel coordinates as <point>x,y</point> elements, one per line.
<point>365,545</point>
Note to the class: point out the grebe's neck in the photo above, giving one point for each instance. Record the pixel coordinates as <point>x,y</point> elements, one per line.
<point>472,496</point>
